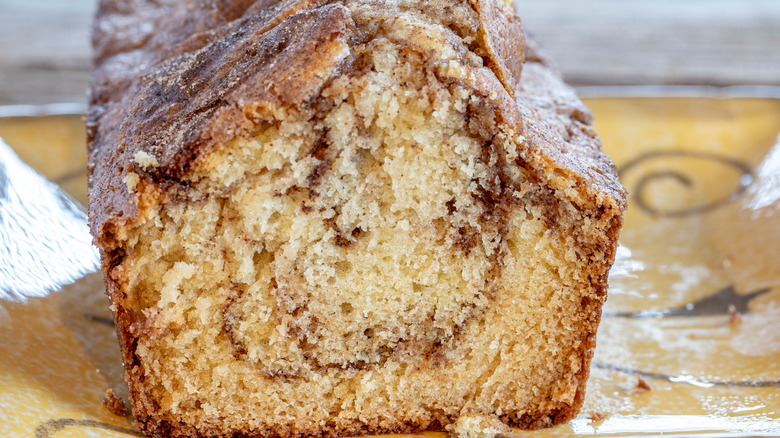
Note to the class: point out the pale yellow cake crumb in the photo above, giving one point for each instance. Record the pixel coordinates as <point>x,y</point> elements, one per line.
<point>131,181</point>
<point>145,159</point>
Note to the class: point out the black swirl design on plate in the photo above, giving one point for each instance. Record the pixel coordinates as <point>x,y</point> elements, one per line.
<point>688,379</point>
<point>639,190</point>
<point>51,427</point>
<point>717,303</point>
<point>100,319</point>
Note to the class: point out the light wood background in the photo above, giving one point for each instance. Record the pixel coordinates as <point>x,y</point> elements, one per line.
<point>45,58</point>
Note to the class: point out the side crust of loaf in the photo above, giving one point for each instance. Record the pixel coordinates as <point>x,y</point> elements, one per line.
<point>253,162</point>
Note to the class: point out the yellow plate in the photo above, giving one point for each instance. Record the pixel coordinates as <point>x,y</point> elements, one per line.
<point>690,339</point>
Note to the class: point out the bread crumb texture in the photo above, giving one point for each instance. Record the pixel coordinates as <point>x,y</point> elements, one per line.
<point>381,259</point>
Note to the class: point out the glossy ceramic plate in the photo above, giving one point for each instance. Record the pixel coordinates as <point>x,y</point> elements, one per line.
<point>690,339</point>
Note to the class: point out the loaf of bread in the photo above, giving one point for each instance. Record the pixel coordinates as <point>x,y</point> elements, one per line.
<point>343,218</point>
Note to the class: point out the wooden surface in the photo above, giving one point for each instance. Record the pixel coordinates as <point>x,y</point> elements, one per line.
<point>44,44</point>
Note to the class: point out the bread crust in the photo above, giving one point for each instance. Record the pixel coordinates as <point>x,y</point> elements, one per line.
<point>173,80</point>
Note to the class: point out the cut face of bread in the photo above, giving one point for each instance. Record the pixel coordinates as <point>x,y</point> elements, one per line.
<point>347,218</point>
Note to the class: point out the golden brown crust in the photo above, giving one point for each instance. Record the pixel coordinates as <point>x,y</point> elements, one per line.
<point>174,80</point>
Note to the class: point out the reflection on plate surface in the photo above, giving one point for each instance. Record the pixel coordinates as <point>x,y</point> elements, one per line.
<point>44,234</point>
<point>690,338</point>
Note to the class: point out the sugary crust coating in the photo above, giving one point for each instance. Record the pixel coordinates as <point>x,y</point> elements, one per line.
<point>175,79</point>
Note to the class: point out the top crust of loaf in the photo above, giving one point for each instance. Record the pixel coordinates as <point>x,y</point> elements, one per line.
<point>164,94</point>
